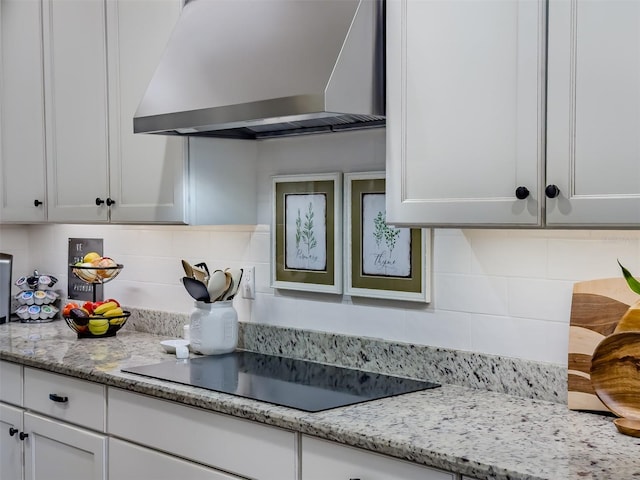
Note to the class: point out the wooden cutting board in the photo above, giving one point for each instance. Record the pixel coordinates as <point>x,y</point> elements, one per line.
<point>596,309</point>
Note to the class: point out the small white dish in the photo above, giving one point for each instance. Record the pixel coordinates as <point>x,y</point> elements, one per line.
<point>170,345</point>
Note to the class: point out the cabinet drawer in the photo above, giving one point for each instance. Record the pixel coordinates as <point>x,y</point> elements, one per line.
<point>232,444</point>
<point>11,383</point>
<point>69,399</point>
<point>128,461</point>
<point>322,459</point>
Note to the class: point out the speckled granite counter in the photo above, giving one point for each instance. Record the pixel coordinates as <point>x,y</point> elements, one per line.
<point>482,434</point>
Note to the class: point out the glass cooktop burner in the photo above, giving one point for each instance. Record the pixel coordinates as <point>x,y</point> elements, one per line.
<point>300,384</point>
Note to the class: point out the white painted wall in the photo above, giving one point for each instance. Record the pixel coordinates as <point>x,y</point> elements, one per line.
<point>503,292</point>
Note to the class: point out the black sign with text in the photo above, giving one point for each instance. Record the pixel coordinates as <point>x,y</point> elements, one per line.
<point>78,289</point>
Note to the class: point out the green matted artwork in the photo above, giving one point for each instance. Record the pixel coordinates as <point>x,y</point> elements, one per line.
<point>382,261</point>
<point>306,233</point>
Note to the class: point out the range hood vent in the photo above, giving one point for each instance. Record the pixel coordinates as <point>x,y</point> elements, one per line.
<point>269,68</point>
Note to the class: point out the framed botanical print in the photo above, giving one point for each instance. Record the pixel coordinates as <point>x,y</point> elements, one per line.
<point>306,233</point>
<point>382,261</point>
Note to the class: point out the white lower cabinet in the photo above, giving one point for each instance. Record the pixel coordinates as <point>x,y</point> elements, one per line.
<point>234,445</point>
<point>38,447</point>
<point>60,446</point>
<point>10,442</point>
<point>11,386</point>
<point>64,428</point>
<point>55,450</point>
<point>322,460</point>
<point>128,461</point>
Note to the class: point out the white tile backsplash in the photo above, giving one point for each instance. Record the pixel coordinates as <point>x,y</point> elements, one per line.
<point>507,255</point>
<point>485,294</point>
<point>454,252</point>
<point>540,299</point>
<point>490,308</point>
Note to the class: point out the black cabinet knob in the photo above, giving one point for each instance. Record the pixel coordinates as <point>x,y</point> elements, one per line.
<point>23,435</point>
<point>12,431</point>
<point>37,203</point>
<point>110,202</point>
<point>57,398</point>
<point>99,201</point>
<point>552,191</point>
<point>522,193</point>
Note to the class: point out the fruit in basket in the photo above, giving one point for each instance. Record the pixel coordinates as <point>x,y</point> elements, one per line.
<point>87,274</point>
<point>67,308</point>
<point>88,306</point>
<point>98,326</point>
<point>79,316</point>
<point>117,320</point>
<point>114,312</point>
<point>105,307</point>
<point>90,257</point>
<point>105,267</point>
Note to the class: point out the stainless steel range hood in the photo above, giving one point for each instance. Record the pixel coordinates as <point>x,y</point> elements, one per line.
<point>264,68</point>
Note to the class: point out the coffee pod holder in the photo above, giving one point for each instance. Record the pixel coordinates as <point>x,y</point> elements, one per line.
<point>37,301</point>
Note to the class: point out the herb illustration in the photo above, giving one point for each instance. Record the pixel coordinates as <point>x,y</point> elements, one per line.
<point>382,231</point>
<point>386,250</point>
<point>304,233</point>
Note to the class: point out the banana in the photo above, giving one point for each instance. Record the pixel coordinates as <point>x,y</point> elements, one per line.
<point>105,307</point>
<point>114,312</point>
<point>98,327</point>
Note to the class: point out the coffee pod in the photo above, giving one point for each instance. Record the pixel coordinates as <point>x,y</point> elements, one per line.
<point>22,283</point>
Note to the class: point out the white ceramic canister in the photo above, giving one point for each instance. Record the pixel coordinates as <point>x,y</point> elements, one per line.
<point>213,328</point>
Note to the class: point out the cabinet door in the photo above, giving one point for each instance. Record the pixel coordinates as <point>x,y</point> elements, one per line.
<point>322,460</point>
<point>11,383</point>
<point>57,451</point>
<point>465,105</point>
<point>22,146</point>
<point>220,441</point>
<point>128,461</point>
<point>147,172</point>
<point>76,106</point>
<point>593,153</point>
<point>10,443</point>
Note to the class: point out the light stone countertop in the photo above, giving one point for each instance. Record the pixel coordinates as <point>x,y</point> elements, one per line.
<point>486,435</point>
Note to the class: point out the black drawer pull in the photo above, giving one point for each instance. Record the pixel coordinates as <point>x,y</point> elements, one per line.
<point>12,431</point>
<point>23,435</point>
<point>58,398</point>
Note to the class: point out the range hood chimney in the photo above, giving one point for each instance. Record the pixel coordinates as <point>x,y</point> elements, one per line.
<point>263,68</point>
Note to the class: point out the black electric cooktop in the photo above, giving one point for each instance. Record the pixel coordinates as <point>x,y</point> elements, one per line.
<point>300,384</point>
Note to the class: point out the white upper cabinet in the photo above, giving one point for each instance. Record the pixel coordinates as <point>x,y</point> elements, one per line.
<point>593,152</point>
<point>147,172</point>
<point>467,124</point>
<point>465,112</point>
<point>22,144</point>
<point>76,104</point>
<point>99,58</point>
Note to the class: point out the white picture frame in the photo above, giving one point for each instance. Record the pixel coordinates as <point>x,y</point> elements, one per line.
<point>381,261</point>
<point>306,233</point>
